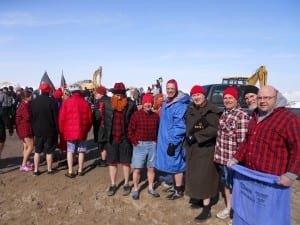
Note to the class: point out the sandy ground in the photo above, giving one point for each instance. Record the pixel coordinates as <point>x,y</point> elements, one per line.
<point>56,199</point>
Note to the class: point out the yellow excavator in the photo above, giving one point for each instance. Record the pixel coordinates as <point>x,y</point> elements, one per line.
<point>95,82</point>
<point>260,75</point>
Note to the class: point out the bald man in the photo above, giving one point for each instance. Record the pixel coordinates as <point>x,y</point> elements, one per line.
<point>272,144</point>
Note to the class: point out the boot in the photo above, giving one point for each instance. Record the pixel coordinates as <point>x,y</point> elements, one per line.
<point>205,214</point>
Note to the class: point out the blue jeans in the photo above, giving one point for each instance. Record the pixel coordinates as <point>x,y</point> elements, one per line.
<point>144,154</point>
<point>226,176</point>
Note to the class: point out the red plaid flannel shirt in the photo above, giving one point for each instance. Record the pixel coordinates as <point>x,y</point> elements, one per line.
<point>143,127</point>
<point>273,144</point>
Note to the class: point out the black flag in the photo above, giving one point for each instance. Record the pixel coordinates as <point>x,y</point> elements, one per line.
<point>63,83</point>
<point>46,79</point>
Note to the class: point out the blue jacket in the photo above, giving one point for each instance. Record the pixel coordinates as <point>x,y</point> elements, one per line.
<point>172,130</point>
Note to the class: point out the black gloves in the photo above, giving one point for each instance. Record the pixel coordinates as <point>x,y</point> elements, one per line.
<point>171,150</point>
<point>191,139</point>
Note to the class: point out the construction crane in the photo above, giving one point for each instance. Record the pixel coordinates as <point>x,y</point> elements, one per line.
<point>260,75</point>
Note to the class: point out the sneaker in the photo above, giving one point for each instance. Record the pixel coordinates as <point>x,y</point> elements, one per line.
<point>153,193</point>
<point>111,190</point>
<point>175,195</point>
<point>169,189</point>
<point>26,168</point>
<point>70,175</point>
<point>52,171</point>
<point>29,163</point>
<point>135,195</point>
<point>126,190</point>
<point>37,173</point>
<point>102,163</point>
<point>166,185</point>
<point>80,173</point>
<point>225,213</point>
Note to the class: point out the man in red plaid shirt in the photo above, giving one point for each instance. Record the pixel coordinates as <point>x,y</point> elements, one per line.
<point>232,130</point>
<point>272,144</point>
<point>142,132</point>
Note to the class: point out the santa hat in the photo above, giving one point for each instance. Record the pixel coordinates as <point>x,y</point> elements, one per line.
<point>231,91</point>
<point>197,89</point>
<point>147,98</point>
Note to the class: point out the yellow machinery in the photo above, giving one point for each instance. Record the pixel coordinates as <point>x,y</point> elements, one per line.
<point>95,82</point>
<point>97,76</point>
<point>260,75</point>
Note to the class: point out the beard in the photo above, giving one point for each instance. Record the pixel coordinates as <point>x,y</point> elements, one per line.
<point>118,104</point>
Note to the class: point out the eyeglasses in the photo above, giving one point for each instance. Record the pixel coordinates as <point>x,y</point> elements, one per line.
<point>265,98</point>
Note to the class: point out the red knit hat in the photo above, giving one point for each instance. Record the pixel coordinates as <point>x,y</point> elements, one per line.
<point>173,81</point>
<point>196,89</point>
<point>119,88</point>
<point>58,93</point>
<point>45,88</point>
<point>101,90</point>
<point>231,91</point>
<point>147,98</point>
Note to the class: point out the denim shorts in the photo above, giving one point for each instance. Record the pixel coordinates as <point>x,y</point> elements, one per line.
<point>144,154</point>
<point>226,176</point>
<point>76,146</point>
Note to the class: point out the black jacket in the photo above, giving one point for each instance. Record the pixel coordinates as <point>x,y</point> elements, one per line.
<point>44,116</point>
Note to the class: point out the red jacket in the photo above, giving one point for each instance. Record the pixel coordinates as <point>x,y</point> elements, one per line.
<point>23,125</point>
<point>75,118</point>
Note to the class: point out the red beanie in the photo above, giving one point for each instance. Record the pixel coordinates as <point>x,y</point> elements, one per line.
<point>58,93</point>
<point>101,90</point>
<point>197,89</point>
<point>45,88</point>
<point>231,91</point>
<point>172,81</point>
<point>147,98</point>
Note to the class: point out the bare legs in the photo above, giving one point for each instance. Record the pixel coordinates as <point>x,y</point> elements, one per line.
<point>70,159</point>
<point>27,149</point>
<point>228,197</point>
<point>137,176</point>
<point>49,159</point>
<point>113,169</point>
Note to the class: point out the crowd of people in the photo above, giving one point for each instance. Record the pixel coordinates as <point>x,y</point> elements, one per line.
<point>180,135</point>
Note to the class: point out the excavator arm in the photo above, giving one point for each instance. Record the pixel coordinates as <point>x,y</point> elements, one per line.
<point>97,76</point>
<point>260,75</point>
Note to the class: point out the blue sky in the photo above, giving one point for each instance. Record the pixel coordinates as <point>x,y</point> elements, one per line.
<point>195,42</point>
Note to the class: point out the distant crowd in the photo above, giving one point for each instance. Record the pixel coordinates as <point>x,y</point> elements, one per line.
<point>182,140</point>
